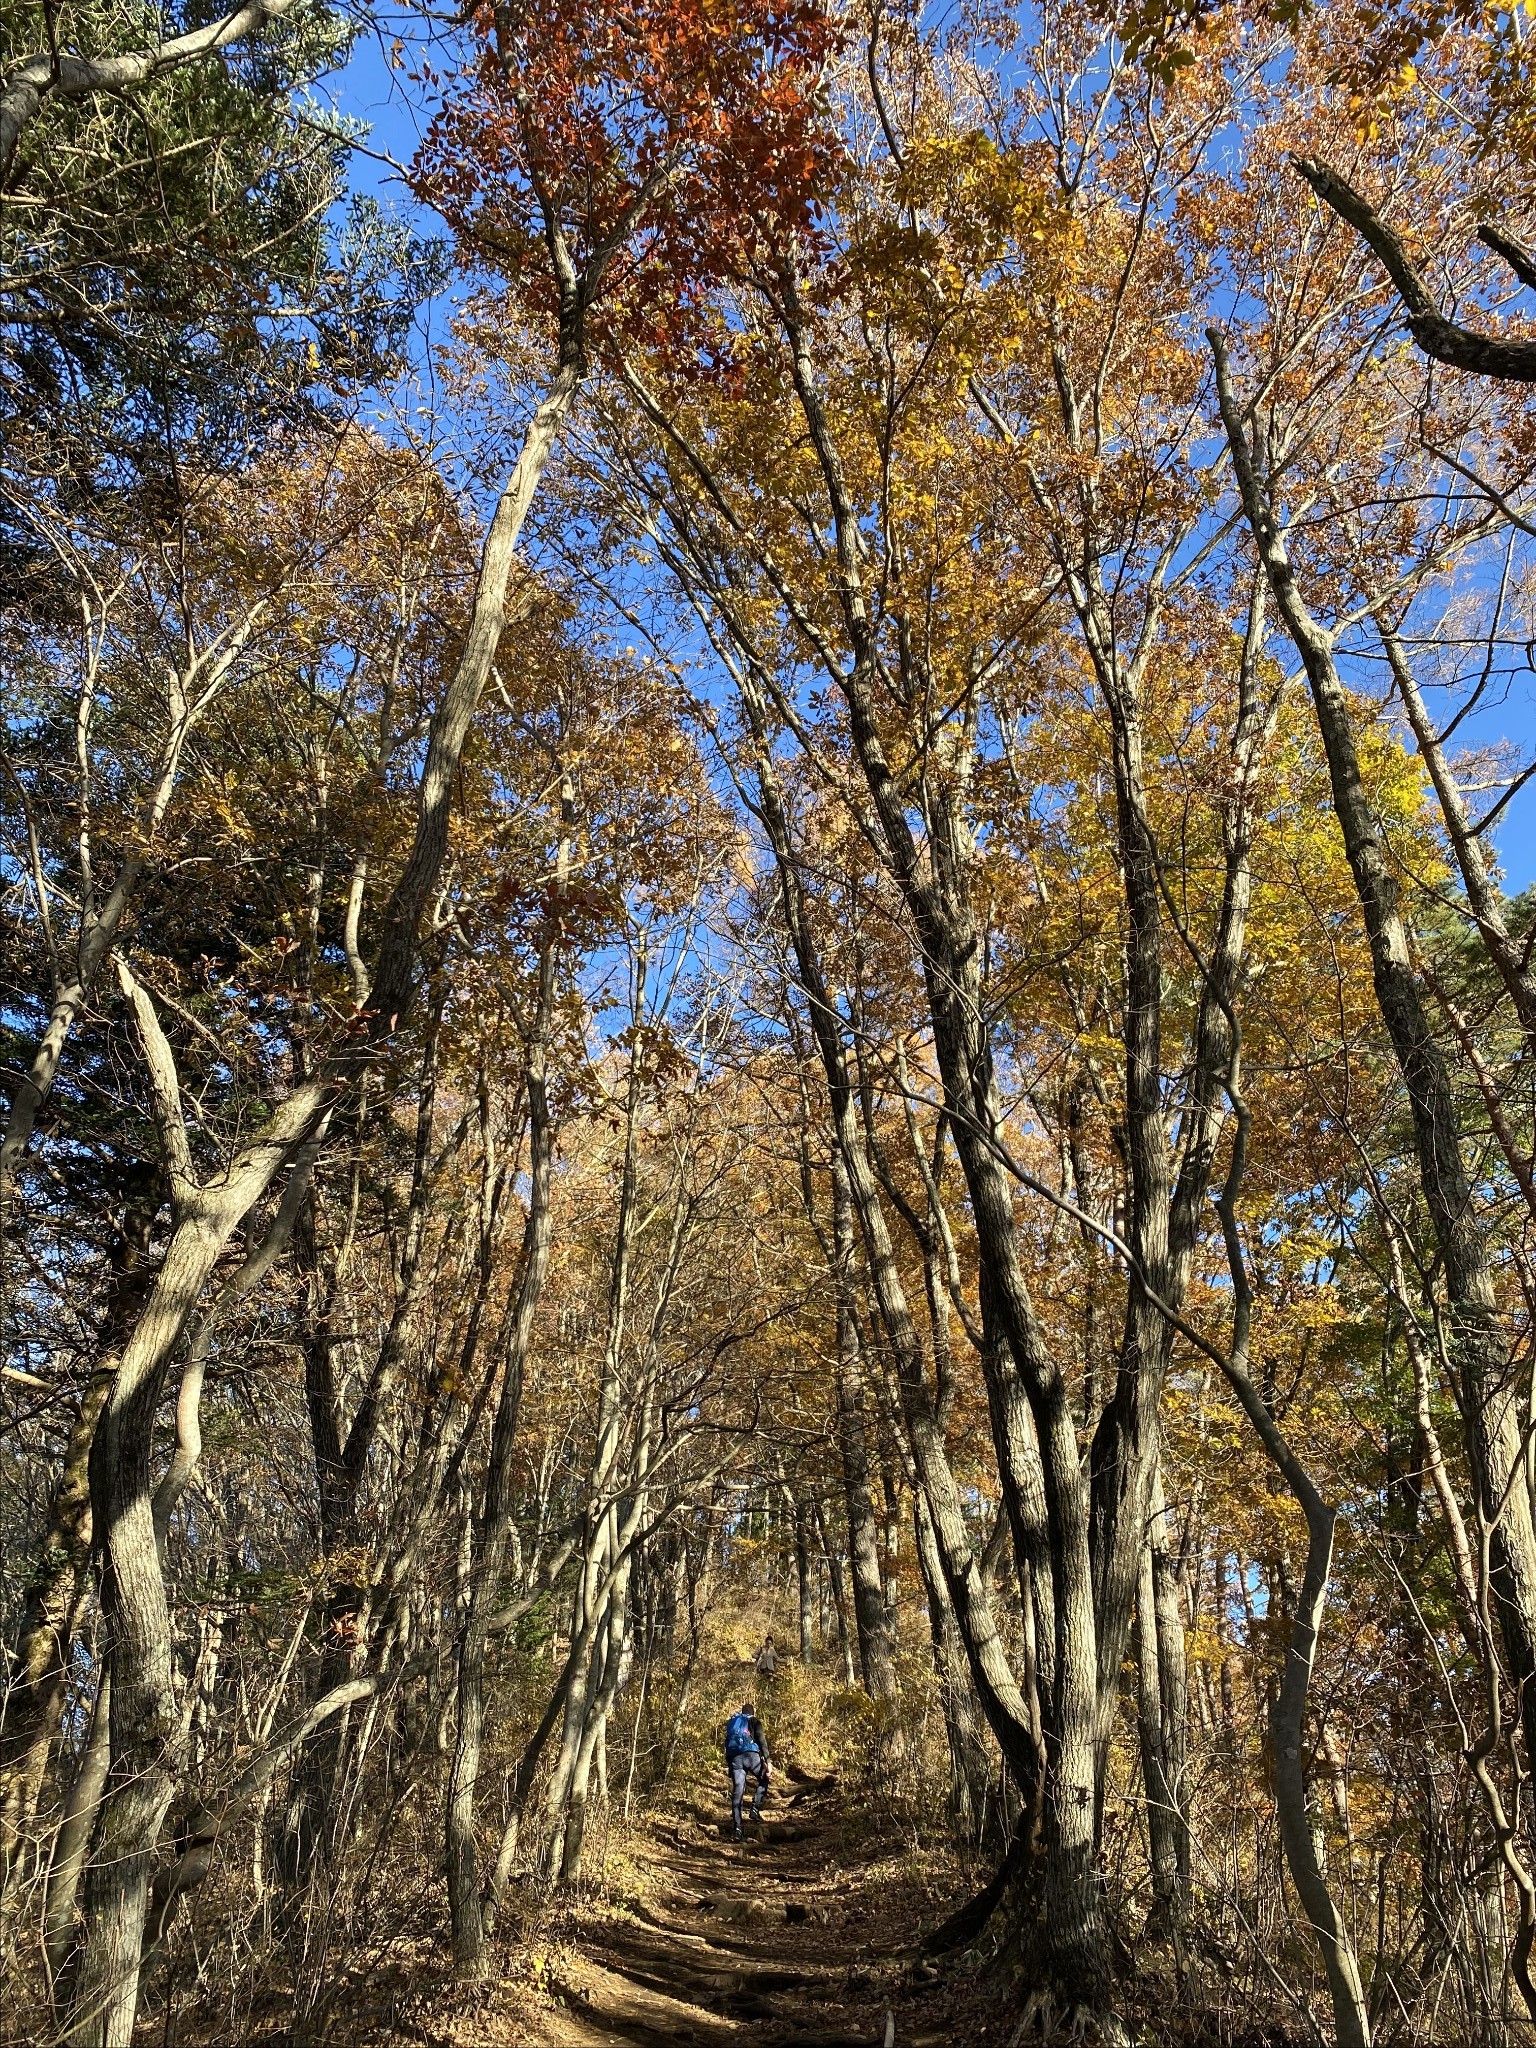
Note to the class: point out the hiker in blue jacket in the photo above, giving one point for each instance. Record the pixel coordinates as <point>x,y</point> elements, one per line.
<point>746,1755</point>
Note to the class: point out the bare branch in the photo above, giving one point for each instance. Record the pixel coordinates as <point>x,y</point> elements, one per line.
<point>1448,342</point>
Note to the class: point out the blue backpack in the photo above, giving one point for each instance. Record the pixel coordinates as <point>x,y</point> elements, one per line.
<point>738,1735</point>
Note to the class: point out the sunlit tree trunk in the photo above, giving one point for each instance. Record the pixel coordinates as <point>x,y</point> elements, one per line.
<point>1491,1386</point>
<point>863,1538</point>
<point>465,1905</point>
<point>146,1749</point>
<point>1163,1712</point>
<point>50,1616</point>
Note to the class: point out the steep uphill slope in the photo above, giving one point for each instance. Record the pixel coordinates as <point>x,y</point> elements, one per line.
<point>774,1941</point>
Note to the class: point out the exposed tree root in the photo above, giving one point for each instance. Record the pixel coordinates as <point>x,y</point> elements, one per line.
<point>968,1921</point>
<point>1055,2025</point>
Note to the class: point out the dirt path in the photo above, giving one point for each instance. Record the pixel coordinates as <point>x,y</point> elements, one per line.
<point>773,1941</point>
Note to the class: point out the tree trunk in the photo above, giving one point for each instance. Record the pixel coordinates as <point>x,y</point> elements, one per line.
<point>581,1694</point>
<point>51,1614</point>
<point>1351,2020</point>
<point>1490,1381</point>
<point>839,1596</point>
<point>72,1840</point>
<point>853,1446</point>
<point>145,1725</point>
<point>970,1763</point>
<point>594,1731</point>
<point>465,1906</point>
<point>804,1588</point>
<point>1155,1778</point>
<point>1162,1702</point>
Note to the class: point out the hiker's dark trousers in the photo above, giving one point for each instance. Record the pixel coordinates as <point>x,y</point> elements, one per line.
<point>746,1763</point>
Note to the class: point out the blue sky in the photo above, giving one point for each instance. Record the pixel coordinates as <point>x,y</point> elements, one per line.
<point>372,90</point>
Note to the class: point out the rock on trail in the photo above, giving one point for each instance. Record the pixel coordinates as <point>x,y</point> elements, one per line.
<point>744,1944</point>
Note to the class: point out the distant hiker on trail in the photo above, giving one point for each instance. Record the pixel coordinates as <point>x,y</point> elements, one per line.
<point>766,1662</point>
<point>746,1755</point>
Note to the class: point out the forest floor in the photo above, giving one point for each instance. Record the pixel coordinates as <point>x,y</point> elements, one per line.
<point>798,1936</point>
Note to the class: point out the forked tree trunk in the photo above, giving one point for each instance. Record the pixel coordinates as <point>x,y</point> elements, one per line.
<point>594,1731</point>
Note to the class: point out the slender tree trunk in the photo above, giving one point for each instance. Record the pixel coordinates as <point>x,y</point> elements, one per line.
<point>51,1614</point>
<point>700,1586</point>
<point>1490,1382</point>
<point>839,1595</point>
<point>970,1762</point>
<point>1173,1684</point>
<point>853,1446</point>
<point>581,1694</point>
<point>466,1908</point>
<point>1351,2020</point>
<point>1156,1777</point>
<point>1162,1702</point>
<point>594,1732</point>
<point>804,1588</point>
<point>64,1871</point>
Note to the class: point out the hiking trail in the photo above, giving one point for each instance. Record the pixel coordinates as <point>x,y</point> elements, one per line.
<point>776,1940</point>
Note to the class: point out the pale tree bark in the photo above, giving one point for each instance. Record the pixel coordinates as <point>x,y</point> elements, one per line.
<point>805,1592</point>
<point>1487,1375</point>
<point>595,1726</point>
<point>73,1838</point>
<point>466,1906</point>
<point>875,1665</point>
<point>30,82</point>
<point>145,1754</point>
<point>191,689</point>
<point>832,1557</point>
<point>1163,1716</point>
<point>35,1699</point>
<point>583,1706</point>
<point>242,1283</point>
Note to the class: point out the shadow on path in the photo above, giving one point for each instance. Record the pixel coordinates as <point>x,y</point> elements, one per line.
<point>768,1941</point>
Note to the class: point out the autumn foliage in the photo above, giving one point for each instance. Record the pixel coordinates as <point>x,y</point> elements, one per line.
<point>818,926</point>
<point>677,133</point>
